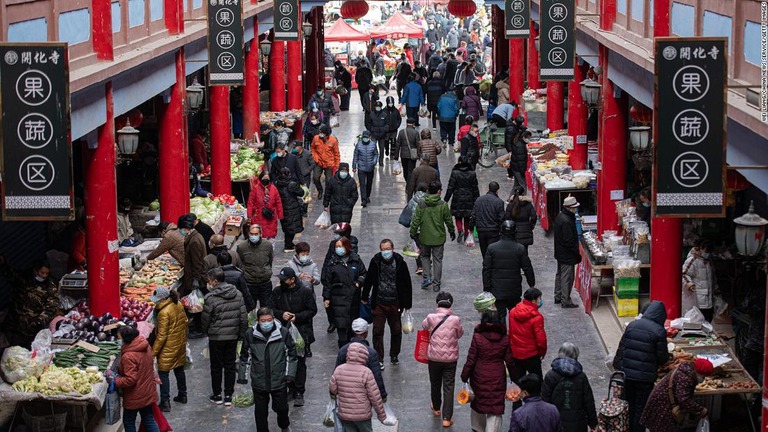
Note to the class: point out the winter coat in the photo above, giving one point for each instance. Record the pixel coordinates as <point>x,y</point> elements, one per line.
<point>379,124</point>
<point>566,239</point>
<point>488,213</point>
<point>448,107</point>
<point>443,343</point>
<point>502,92</point>
<point>194,268</point>
<point>340,197</point>
<point>413,95</point>
<point>172,242</point>
<point>514,144</point>
<point>290,195</point>
<point>488,360</point>
<point>424,173</point>
<point>306,164</point>
<point>373,362</point>
<point>701,273</point>
<point>402,71</point>
<point>567,387</point>
<point>471,103</point>
<point>343,77</point>
<point>428,146</point>
<point>526,331</point>
<point>257,260</point>
<point>363,78</point>
<point>462,190</point>
<point>470,148</point>
<point>435,89</point>
<point>170,345</point>
<point>355,387</point>
<point>342,280</point>
<point>365,156</point>
<point>273,357</point>
<point>452,39</point>
<point>234,276</point>
<point>224,315</point>
<point>309,133</point>
<point>325,104</point>
<point>505,111</point>
<point>299,301</point>
<point>434,62</point>
<point>501,269</point>
<point>406,139</point>
<point>393,116</point>
<point>535,415</point>
<point>451,67</point>
<point>643,347</point>
<point>402,282</point>
<point>331,252</point>
<point>525,220</point>
<point>310,268</point>
<point>431,219</point>
<point>256,205</point>
<point>657,415</point>
<point>289,161</point>
<point>136,376</point>
<point>210,261</point>
<point>326,152</point>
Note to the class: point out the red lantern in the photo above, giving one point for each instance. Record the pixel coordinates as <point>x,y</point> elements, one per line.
<point>135,116</point>
<point>462,8</point>
<point>735,181</point>
<point>354,9</point>
<point>641,113</point>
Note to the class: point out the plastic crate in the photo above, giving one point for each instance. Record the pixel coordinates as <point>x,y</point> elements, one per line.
<point>627,288</point>
<point>626,307</point>
<point>44,417</point>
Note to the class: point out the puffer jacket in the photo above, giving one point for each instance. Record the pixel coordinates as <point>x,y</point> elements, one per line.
<point>256,205</point>
<point>502,92</point>
<point>488,360</point>
<point>170,346</point>
<point>448,107</point>
<point>224,315</point>
<point>273,357</point>
<point>257,260</point>
<point>643,347</point>
<point>430,221</point>
<point>567,387</point>
<point>290,193</point>
<point>501,269</point>
<point>373,361</point>
<point>429,146</point>
<point>435,89</point>
<point>340,197</point>
<point>309,268</point>
<point>379,124</point>
<point>310,132</point>
<point>514,144</point>
<point>413,95</point>
<point>395,119</point>
<point>342,281</point>
<point>526,331</point>
<point>233,275</point>
<point>194,267</point>
<point>488,213</point>
<point>326,152</point>
<point>462,190</point>
<point>365,156</point>
<point>470,147</point>
<point>172,242</point>
<point>699,271</point>
<point>137,374</point>
<point>657,416</point>
<point>356,388</point>
<point>471,103</point>
<point>299,301</point>
<point>525,220</point>
<point>443,343</point>
<point>424,173</point>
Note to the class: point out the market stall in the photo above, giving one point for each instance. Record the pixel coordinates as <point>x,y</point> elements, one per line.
<point>398,27</point>
<point>534,108</point>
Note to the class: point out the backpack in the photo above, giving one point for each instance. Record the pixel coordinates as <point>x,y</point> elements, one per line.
<point>613,413</point>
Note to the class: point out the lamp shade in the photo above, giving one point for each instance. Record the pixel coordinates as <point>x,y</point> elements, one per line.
<point>266,47</point>
<point>641,113</point>
<point>750,232</point>
<point>128,139</point>
<point>354,9</point>
<point>195,95</point>
<point>462,8</point>
<point>306,28</point>
<point>639,137</point>
<point>590,91</point>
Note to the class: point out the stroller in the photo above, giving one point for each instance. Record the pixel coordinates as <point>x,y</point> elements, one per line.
<point>613,414</point>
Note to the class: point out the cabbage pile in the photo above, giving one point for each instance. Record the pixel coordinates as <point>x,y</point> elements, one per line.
<point>56,381</point>
<point>206,209</point>
<point>245,163</point>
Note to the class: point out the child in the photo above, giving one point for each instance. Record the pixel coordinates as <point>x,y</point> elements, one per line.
<point>463,131</point>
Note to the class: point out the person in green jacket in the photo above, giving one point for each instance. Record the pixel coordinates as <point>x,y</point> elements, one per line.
<point>429,222</point>
<point>273,368</point>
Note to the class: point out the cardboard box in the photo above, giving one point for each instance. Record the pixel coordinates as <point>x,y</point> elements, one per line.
<point>232,230</point>
<point>626,307</point>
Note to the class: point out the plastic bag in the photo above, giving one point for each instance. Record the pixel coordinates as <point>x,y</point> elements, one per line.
<point>188,363</point>
<point>324,220</point>
<point>402,110</point>
<point>391,419</point>
<point>513,392</point>
<point>112,409</point>
<point>334,122</point>
<point>465,395</point>
<point>397,169</point>
<point>721,307</point>
<point>243,400</point>
<point>423,111</point>
<point>703,425</point>
<point>328,417</point>
<point>307,198</point>
<point>694,315</point>
<point>411,249</point>
<point>483,301</point>
<point>17,364</point>
<point>194,301</point>
<point>407,322</point>
<point>298,340</point>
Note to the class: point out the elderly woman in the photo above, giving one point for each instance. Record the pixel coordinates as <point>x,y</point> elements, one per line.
<point>657,416</point>
<point>567,387</point>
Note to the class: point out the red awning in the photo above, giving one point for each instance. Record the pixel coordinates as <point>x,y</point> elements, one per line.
<point>340,31</point>
<point>398,27</point>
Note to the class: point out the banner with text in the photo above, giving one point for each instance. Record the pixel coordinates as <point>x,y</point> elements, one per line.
<point>517,18</point>
<point>225,43</point>
<point>287,16</point>
<point>557,40</point>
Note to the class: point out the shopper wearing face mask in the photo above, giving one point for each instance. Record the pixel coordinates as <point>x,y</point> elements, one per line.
<point>339,230</point>
<point>324,103</point>
<point>284,159</point>
<point>311,128</point>
<point>194,268</point>
<point>388,289</point>
<point>364,159</point>
<point>527,337</point>
<point>342,280</point>
<point>305,268</point>
<point>380,130</point>
<point>470,146</point>
<point>34,306</point>
<point>256,255</point>
<point>341,195</point>
<point>325,151</point>
<point>306,163</point>
<point>699,272</point>
<point>264,205</point>
<point>644,206</point>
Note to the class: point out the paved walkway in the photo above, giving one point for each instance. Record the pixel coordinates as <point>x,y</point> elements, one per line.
<point>408,383</point>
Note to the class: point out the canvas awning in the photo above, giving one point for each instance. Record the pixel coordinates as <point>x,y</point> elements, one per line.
<point>340,31</point>
<point>398,27</point>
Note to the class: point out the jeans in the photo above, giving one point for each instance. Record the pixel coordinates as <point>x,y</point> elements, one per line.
<point>448,131</point>
<point>428,255</point>
<point>279,406</point>
<point>147,419</point>
<point>260,291</point>
<point>564,283</point>
<point>366,184</point>
<point>442,380</point>
<point>637,394</point>
<point>318,171</point>
<point>412,112</point>
<point>487,238</point>
<point>165,383</point>
<point>408,166</point>
<point>344,335</point>
<point>387,314</point>
<point>485,422</point>
<point>357,426</point>
<point>523,367</point>
<point>223,359</point>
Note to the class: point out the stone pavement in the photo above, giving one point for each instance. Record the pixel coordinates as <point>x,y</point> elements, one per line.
<point>407,383</point>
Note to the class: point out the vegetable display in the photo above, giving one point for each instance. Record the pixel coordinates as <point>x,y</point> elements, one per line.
<point>142,284</point>
<point>83,359</point>
<point>90,328</point>
<point>57,381</point>
<point>244,164</point>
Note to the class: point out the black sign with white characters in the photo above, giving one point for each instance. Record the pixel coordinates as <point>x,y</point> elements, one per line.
<point>34,132</point>
<point>690,127</point>
<point>287,19</point>
<point>225,42</point>
<point>557,40</point>
<point>517,17</point>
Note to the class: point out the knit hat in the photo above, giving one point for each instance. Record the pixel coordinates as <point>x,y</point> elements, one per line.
<point>161,293</point>
<point>703,366</point>
<point>359,325</point>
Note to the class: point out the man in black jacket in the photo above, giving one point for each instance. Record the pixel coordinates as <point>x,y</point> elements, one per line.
<point>340,195</point>
<point>566,252</point>
<point>360,328</point>
<point>294,304</point>
<point>204,230</point>
<point>501,269</point>
<point>363,78</point>
<point>390,280</point>
<point>435,89</point>
<point>488,214</point>
<point>379,120</point>
<point>285,159</point>
<point>642,350</point>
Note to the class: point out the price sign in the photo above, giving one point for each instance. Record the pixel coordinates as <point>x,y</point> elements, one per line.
<point>225,42</point>
<point>517,16</point>
<point>689,127</point>
<point>287,19</point>
<point>34,132</point>
<point>557,40</point>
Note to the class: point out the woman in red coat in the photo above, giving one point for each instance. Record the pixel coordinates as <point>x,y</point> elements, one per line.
<point>488,361</point>
<point>527,337</point>
<point>264,205</point>
<point>136,378</point>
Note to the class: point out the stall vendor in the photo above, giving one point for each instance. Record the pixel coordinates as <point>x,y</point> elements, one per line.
<point>124,228</point>
<point>172,242</point>
<point>644,206</point>
<point>35,304</point>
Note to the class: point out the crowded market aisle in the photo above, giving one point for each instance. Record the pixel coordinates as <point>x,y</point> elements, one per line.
<point>407,383</point>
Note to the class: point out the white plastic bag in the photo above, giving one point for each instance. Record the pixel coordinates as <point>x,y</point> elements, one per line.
<point>397,169</point>
<point>407,322</point>
<point>334,122</point>
<point>391,419</point>
<point>694,315</point>
<point>324,220</point>
<point>194,301</point>
<point>298,340</point>
<point>328,417</point>
<point>189,361</point>
<point>703,425</point>
<point>721,307</point>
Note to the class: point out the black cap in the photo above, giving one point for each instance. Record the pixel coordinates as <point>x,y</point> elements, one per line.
<point>366,133</point>
<point>286,273</point>
<point>325,129</point>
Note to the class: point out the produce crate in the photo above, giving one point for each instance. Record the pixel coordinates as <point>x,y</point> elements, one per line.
<point>627,288</point>
<point>626,307</point>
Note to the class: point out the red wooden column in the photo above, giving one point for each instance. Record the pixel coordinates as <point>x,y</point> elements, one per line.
<point>295,80</point>
<point>221,178</point>
<point>251,88</point>
<point>310,48</point>
<point>500,50</point>
<point>319,29</point>
<point>101,20</point>
<point>101,218</point>
<point>533,60</point>
<point>555,105</point>
<point>516,69</point>
<point>174,16</point>
<point>577,119</point>
<point>173,150</point>
<point>277,76</point>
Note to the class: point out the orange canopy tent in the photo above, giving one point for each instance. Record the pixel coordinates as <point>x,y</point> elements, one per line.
<point>340,31</point>
<point>398,27</point>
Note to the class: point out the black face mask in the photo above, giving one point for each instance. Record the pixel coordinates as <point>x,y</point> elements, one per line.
<point>265,181</point>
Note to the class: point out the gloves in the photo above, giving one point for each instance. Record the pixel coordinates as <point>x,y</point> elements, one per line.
<point>453,236</point>
<point>389,421</point>
<point>110,375</point>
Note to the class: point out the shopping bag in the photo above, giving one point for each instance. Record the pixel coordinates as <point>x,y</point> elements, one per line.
<point>513,392</point>
<point>397,169</point>
<point>112,406</point>
<point>703,425</point>
<point>422,346</point>
<point>366,313</point>
<point>391,418</point>
<point>503,161</point>
<point>411,249</point>
<point>328,417</point>
<point>407,322</point>
<point>162,423</point>
<point>298,340</point>
<point>194,301</point>
<point>423,111</point>
<point>334,122</point>
<point>189,361</point>
<point>324,220</point>
<point>465,395</point>
<point>402,110</point>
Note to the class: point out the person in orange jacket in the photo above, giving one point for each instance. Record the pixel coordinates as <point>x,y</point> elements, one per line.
<point>325,152</point>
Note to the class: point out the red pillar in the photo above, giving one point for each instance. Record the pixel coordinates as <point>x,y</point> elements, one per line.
<point>173,150</point>
<point>555,105</point>
<point>319,26</point>
<point>310,48</point>
<point>221,179</point>
<point>277,76</point>
<point>533,60</point>
<point>500,51</point>
<point>577,120</point>
<point>516,69</point>
<point>101,219</point>
<point>251,88</point>
<point>661,18</point>
<point>174,16</point>
<point>295,81</point>
<point>101,18</point>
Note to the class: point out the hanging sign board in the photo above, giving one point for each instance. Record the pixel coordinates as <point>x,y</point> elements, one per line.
<point>517,17</point>
<point>557,40</point>
<point>689,127</point>
<point>34,132</point>
<point>287,19</point>
<point>225,42</point>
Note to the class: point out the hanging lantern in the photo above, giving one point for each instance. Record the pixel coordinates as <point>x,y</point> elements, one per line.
<point>750,232</point>
<point>195,95</point>
<point>128,139</point>
<point>641,113</point>
<point>590,92</point>
<point>354,9</point>
<point>734,181</point>
<point>639,137</point>
<point>462,8</point>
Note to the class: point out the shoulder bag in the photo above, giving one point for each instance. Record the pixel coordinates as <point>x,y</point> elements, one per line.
<point>420,351</point>
<point>412,153</point>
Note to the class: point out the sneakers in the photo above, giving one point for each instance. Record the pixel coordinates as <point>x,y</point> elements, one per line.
<point>427,282</point>
<point>419,270</point>
<point>182,399</point>
<point>289,250</point>
<point>165,406</point>
<point>381,365</point>
<point>307,352</point>
<point>298,401</point>
<point>436,287</point>
<point>460,237</point>
<point>227,401</point>
<point>447,423</point>
<point>558,301</point>
<point>216,399</point>
<point>394,360</point>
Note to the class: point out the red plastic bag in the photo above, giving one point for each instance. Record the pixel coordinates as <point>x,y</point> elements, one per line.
<point>162,423</point>
<point>422,346</point>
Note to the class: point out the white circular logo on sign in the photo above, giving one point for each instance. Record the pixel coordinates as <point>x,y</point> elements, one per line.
<point>517,6</point>
<point>226,61</point>
<point>224,17</point>
<point>558,12</point>
<point>669,53</point>
<point>33,87</point>
<point>225,39</point>
<point>36,172</point>
<point>35,130</point>
<point>11,58</point>
<point>690,169</point>
<point>557,56</point>
<point>557,34</point>
<point>690,127</point>
<point>517,21</point>
<point>286,8</point>
<point>691,83</point>
<point>286,23</point>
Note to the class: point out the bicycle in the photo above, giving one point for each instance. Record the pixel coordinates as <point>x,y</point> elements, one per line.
<point>491,139</point>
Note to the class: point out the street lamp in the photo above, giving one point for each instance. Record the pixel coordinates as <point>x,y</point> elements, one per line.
<point>639,137</point>
<point>750,232</point>
<point>266,47</point>
<point>306,28</point>
<point>590,91</point>
<point>195,95</point>
<point>128,139</point>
